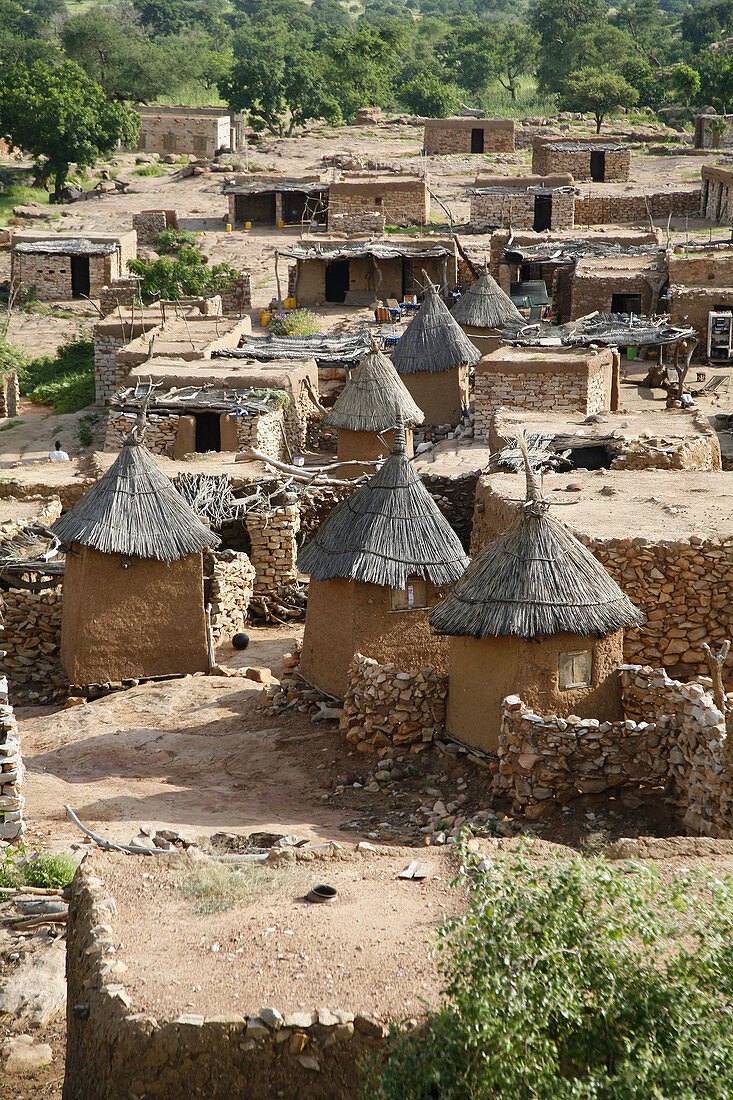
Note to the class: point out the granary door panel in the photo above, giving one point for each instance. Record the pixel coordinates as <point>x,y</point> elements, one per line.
<point>598,165</point>
<point>542,213</point>
<point>80,282</point>
<point>477,139</point>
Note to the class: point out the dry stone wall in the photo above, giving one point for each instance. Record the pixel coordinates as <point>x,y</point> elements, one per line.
<point>228,587</point>
<point>600,209</point>
<point>398,201</point>
<point>453,135</point>
<point>160,431</point>
<point>9,394</point>
<point>32,643</point>
<point>573,157</point>
<point>201,135</point>
<point>120,292</point>
<point>236,296</point>
<point>12,802</point>
<point>700,452</point>
<point>385,706</point>
<point>539,389</point>
<point>516,209</point>
<point>149,223</point>
<point>365,221</point>
<point>274,550</point>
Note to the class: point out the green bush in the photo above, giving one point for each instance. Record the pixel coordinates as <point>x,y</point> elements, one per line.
<point>64,381</point>
<point>578,980</point>
<point>149,170</point>
<point>170,240</point>
<point>46,871</point>
<point>188,275</point>
<point>296,322</point>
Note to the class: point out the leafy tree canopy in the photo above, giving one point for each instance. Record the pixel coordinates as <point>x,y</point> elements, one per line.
<point>599,93</point>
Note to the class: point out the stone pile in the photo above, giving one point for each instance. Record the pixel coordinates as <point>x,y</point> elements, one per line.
<point>11,771</point>
<point>32,643</point>
<point>385,706</point>
<point>274,549</point>
<point>228,586</point>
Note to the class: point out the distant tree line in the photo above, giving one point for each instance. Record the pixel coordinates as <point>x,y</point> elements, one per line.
<point>285,62</point>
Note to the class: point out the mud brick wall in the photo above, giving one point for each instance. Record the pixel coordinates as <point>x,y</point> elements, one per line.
<point>684,587</point>
<point>516,209</point>
<point>600,209</point>
<point>12,802</point>
<point>401,202</point>
<point>32,641</point>
<point>538,387</point>
<point>690,305</point>
<point>236,297</point>
<point>228,587</point>
<point>273,550</point>
<point>366,221</point>
<point>201,135</point>
<point>453,135</point>
<point>160,432</point>
<point>554,157</point>
<point>387,707</point>
<point>115,1052</point>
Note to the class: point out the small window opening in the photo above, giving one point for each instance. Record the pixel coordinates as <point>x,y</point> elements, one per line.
<point>413,597</point>
<point>575,670</point>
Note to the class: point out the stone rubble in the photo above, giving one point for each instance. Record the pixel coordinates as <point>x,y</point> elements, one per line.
<point>11,771</point>
<point>386,707</point>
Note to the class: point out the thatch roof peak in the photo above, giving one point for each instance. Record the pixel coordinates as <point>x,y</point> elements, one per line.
<point>536,579</point>
<point>389,530</point>
<point>485,305</point>
<point>374,398</point>
<point>433,341</point>
<point>135,510</point>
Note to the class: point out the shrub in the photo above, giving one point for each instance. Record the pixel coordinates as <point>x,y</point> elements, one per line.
<point>297,322</point>
<point>577,981</point>
<point>52,872</point>
<point>64,381</point>
<point>171,240</point>
<point>188,275</point>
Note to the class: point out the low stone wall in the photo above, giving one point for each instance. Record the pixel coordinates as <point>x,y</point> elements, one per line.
<point>701,452</point>
<point>149,223</point>
<point>360,221</point>
<point>160,431</point>
<point>599,209</point>
<point>539,387</point>
<point>120,292</point>
<point>114,1053</point>
<point>385,706</point>
<point>11,771</point>
<point>9,394</point>
<point>274,548</point>
<point>517,208</point>
<point>228,587</point>
<point>265,433</point>
<point>236,297</point>
<point>32,643</point>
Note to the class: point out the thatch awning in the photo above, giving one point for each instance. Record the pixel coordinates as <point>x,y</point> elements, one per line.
<point>354,250</point>
<point>345,347</point>
<point>567,253</point>
<point>69,246</point>
<point>374,399</point>
<point>535,580</point>
<point>433,341</point>
<point>388,531</point>
<point>135,511</point>
<point>485,305</point>
<point>611,330</point>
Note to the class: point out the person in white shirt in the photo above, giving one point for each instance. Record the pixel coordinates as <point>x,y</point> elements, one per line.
<point>57,455</point>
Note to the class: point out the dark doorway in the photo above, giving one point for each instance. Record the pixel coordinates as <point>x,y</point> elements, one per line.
<point>208,432</point>
<point>258,209</point>
<point>477,140</point>
<point>542,213</point>
<point>337,280</point>
<point>79,276</point>
<point>598,166</point>
<point>626,303</point>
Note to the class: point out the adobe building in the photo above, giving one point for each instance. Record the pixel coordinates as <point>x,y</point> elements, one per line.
<point>134,574</point>
<point>482,311</point>
<point>366,273</point>
<point>523,202</point>
<point>716,196</point>
<point>542,378</point>
<point>615,284</point>
<point>468,135</point>
<point>534,615</point>
<point>377,565</point>
<point>366,411</point>
<point>62,266</point>
<point>197,131</point>
<point>584,158</point>
<point>700,282</point>
<point>433,358</point>
<point>713,131</point>
<point>398,198</point>
<point>268,200</point>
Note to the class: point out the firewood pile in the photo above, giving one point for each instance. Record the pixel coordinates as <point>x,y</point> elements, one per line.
<point>285,605</point>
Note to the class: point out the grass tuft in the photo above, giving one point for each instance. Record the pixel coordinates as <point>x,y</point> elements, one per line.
<point>213,887</point>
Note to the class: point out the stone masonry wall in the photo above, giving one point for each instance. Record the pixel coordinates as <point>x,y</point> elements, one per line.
<point>400,202</point>
<point>199,135</point>
<point>109,337</point>
<point>51,274</point>
<point>116,1053</point>
<point>12,802</point>
<point>516,209</point>
<point>274,549</point>
<point>160,431</point>
<point>120,292</point>
<point>9,394</point>
<point>700,452</point>
<point>149,223</point>
<point>32,643</point>
<point>228,587</point>
<point>454,136</point>
<point>546,160</point>
<point>545,389</point>
<point>599,209</point>
<point>263,433</point>
<point>366,221</point>
<point>690,305</point>
<point>387,707</point>
<point>593,290</point>
<point>236,297</point>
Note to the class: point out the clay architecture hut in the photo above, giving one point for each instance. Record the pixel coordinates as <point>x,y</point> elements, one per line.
<point>537,615</point>
<point>433,358</point>
<point>377,565</point>
<point>133,597</point>
<point>483,311</point>
<point>366,411</point>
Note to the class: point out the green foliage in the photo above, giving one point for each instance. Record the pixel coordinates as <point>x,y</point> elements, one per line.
<point>274,397</point>
<point>12,359</point>
<point>214,887</point>
<point>58,113</point>
<point>86,428</point>
<point>189,275</point>
<point>64,381</point>
<point>577,980</point>
<point>427,94</point>
<point>16,194</point>
<point>296,322</point>
<point>46,871</point>
<point>600,93</point>
<point>685,82</point>
<point>149,170</point>
<point>171,240</point>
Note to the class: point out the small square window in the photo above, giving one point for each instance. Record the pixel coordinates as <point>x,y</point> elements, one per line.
<point>414,596</point>
<point>575,670</point>
<point>378,200</point>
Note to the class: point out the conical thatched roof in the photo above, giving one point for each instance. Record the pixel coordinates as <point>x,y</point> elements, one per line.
<point>433,341</point>
<point>373,399</point>
<point>134,510</point>
<point>388,530</point>
<point>536,579</point>
<point>485,305</point>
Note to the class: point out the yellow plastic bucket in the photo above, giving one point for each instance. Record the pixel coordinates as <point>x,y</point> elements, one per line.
<point>229,227</point>
<point>265,315</point>
<point>290,303</point>
<point>281,224</point>
<point>248,225</point>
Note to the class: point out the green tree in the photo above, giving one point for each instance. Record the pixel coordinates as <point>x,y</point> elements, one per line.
<point>189,275</point>
<point>596,92</point>
<point>63,117</point>
<point>685,82</point>
<point>515,49</point>
<point>427,94</point>
<point>577,980</point>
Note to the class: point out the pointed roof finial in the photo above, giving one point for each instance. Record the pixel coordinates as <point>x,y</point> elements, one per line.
<point>400,441</point>
<point>535,500</point>
<point>136,438</point>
